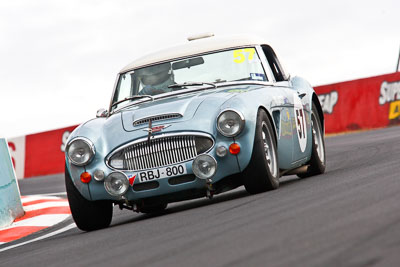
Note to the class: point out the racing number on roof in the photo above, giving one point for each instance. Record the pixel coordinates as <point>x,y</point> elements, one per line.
<point>240,54</point>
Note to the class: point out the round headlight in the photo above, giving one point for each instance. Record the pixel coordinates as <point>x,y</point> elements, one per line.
<point>80,151</point>
<point>204,166</point>
<point>230,123</point>
<point>116,184</point>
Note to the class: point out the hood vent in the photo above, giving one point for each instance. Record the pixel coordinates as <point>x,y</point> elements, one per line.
<point>161,117</point>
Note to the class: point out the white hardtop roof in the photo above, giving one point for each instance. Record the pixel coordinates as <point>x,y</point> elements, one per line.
<point>195,47</point>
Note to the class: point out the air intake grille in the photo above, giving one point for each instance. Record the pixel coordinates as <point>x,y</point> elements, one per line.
<point>161,117</point>
<point>145,186</point>
<point>160,152</point>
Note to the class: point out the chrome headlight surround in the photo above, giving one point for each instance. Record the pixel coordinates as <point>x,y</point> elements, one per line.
<point>80,151</point>
<point>230,122</point>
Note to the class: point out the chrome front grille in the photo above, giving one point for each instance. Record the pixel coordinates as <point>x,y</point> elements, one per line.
<point>159,152</point>
<point>155,118</point>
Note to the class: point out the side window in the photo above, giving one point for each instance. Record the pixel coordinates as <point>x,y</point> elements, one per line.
<point>274,64</point>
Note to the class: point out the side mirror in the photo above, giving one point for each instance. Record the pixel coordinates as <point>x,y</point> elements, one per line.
<point>101,113</point>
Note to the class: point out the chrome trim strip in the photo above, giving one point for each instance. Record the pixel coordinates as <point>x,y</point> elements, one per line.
<point>113,93</point>
<point>193,147</point>
<point>265,64</point>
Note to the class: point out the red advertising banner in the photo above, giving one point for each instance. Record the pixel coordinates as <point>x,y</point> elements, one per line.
<point>44,152</point>
<point>361,104</point>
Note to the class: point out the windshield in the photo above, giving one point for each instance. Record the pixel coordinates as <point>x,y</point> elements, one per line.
<point>225,66</point>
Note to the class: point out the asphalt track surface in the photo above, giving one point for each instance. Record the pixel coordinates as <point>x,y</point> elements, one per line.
<point>349,216</point>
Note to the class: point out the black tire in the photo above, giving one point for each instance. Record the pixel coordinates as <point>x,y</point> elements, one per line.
<point>318,158</point>
<point>88,215</point>
<point>262,173</point>
<point>153,208</point>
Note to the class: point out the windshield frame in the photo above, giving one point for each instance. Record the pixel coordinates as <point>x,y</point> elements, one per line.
<point>264,65</point>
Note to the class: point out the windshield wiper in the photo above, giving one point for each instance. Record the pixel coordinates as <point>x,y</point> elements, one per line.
<point>132,98</point>
<point>185,84</point>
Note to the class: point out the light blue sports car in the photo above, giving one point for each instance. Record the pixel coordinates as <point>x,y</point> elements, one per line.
<point>193,121</point>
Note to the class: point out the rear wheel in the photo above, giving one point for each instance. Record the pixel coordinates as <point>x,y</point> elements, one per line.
<point>318,161</point>
<point>262,173</point>
<point>88,215</point>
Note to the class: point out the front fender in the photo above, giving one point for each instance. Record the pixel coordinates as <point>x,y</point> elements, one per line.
<point>249,107</point>
<point>72,172</point>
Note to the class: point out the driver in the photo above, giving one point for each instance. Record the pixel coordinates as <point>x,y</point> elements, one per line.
<point>155,79</point>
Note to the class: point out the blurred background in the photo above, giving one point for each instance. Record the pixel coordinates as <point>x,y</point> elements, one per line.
<point>59,59</point>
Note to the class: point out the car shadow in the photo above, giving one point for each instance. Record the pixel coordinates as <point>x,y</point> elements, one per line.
<point>238,193</point>
<point>187,205</point>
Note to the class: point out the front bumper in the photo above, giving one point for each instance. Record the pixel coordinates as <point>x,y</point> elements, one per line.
<point>174,186</point>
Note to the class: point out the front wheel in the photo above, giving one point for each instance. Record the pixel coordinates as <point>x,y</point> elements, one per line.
<point>318,160</point>
<point>262,173</point>
<point>88,215</point>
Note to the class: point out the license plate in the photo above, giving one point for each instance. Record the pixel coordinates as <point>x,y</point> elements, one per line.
<point>155,174</point>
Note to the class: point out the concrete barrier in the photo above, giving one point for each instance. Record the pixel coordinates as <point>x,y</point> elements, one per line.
<point>10,198</point>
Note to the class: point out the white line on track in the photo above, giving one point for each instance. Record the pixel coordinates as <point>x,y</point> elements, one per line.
<point>66,228</point>
<point>46,205</point>
<point>27,199</point>
<point>54,194</point>
<point>41,220</point>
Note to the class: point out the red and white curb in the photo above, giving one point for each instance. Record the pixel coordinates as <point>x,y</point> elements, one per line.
<point>40,212</point>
